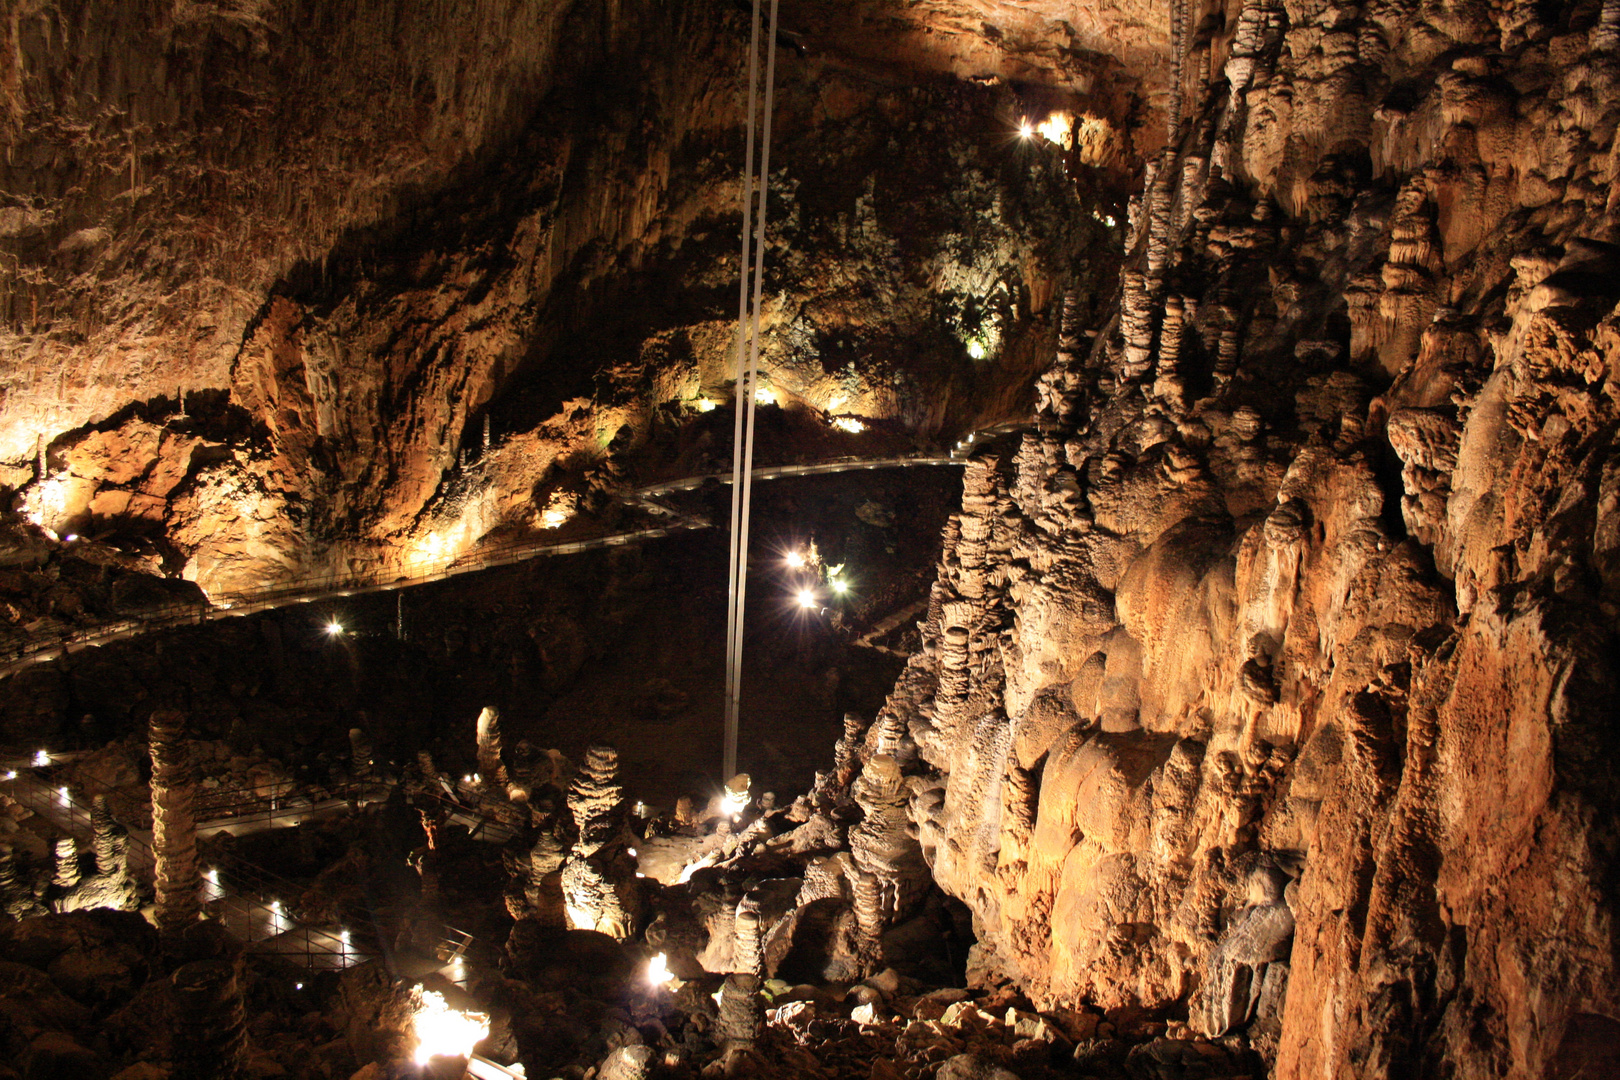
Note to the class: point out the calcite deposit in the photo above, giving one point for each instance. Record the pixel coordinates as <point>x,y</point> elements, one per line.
<point>1264,678</point>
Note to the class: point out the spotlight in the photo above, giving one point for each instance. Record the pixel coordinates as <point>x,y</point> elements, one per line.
<point>630,852</point>
<point>298,986</point>
<point>333,628</point>
<point>807,599</point>
<point>1025,129</point>
<point>795,561</point>
<point>839,585</point>
<point>658,973</point>
<point>41,759</point>
<point>70,537</point>
<point>11,774</point>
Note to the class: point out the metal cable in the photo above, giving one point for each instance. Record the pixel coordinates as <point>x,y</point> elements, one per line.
<point>747,390</point>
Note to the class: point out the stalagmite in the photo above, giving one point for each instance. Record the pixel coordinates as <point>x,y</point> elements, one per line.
<point>360,753</point>
<point>211,1040</point>
<point>544,888</point>
<point>869,919</point>
<point>747,957</point>
<point>599,886</point>
<point>67,863</point>
<point>846,761</point>
<point>882,845</point>
<point>741,1017</point>
<point>596,800</point>
<point>490,764</point>
<point>174,837</point>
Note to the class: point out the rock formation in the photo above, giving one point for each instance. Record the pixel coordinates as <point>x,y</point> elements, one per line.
<point>176,877</point>
<point>1316,579</point>
<point>211,1040</point>
<point>599,885</point>
<point>491,766</point>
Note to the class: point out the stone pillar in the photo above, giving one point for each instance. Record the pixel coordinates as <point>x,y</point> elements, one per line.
<point>174,832</point>
<point>110,842</point>
<point>748,957</point>
<point>741,1018</point>
<point>595,799</point>
<point>67,863</point>
<point>489,749</point>
<point>211,1033</point>
<point>360,752</point>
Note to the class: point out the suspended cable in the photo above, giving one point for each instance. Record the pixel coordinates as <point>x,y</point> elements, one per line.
<point>748,327</point>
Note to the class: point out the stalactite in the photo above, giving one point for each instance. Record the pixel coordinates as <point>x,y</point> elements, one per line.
<point>211,1031</point>
<point>174,835</point>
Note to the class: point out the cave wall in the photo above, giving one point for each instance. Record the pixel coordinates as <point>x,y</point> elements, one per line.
<point>279,270</point>
<point>1265,684</point>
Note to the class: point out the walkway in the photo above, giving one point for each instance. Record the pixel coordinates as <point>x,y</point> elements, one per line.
<point>49,646</point>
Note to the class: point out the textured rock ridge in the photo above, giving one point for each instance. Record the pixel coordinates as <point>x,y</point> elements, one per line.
<point>1262,679</point>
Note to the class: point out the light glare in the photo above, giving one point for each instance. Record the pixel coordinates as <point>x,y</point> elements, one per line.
<point>1055,128</point>
<point>795,560</point>
<point>334,628</point>
<point>445,1032</point>
<point>658,973</point>
<point>807,599</point>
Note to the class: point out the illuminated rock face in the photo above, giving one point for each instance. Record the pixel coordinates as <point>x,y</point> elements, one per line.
<point>295,323</point>
<point>1267,678</point>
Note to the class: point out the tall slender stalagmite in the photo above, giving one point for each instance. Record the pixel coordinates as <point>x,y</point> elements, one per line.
<point>489,749</point>
<point>174,833</point>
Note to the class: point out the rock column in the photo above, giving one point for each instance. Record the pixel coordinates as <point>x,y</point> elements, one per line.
<point>174,832</point>
<point>489,749</point>
<point>211,1036</point>
<point>67,863</point>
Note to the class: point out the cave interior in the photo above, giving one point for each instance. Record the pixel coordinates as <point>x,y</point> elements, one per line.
<point>1174,631</point>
